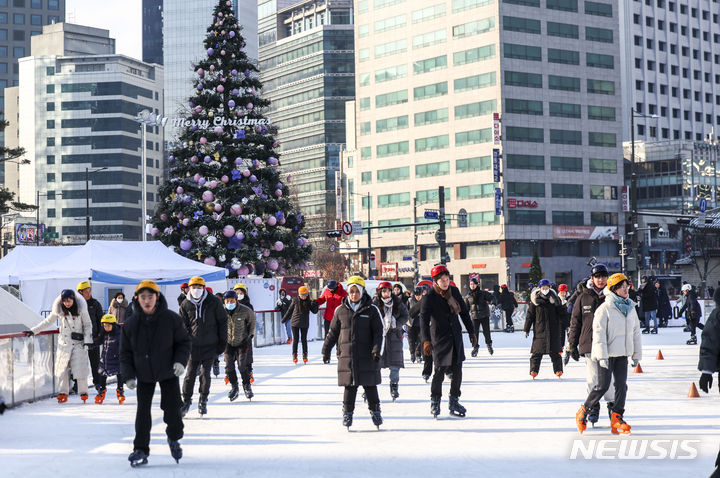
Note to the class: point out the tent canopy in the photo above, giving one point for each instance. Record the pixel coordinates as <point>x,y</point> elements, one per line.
<point>24,259</point>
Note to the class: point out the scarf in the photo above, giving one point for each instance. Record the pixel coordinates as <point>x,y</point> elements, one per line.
<point>198,304</point>
<point>354,305</point>
<point>388,318</point>
<point>447,295</point>
<point>624,305</point>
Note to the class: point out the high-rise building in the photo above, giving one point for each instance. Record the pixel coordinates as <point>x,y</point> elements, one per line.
<point>76,108</point>
<point>185,25</point>
<point>447,88</point>
<point>19,21</point>
<point>670,60</point>
<point>307,70</point>
<point>152,31</point>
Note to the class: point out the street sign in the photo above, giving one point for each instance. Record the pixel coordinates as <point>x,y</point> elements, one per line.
<point>439,236</point>
<point>498,201</point>
<point>332,248</point>
<point>372,256</point>
<point>432,214</point>
<point>51,235</point>
<point>357,227</point>
<point>703,204</point>
<point>334,234</point>
<point>347,228</point>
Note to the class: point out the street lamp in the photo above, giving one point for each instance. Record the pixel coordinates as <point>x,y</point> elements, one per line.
<point>87,200</point>
<point>145,118</point>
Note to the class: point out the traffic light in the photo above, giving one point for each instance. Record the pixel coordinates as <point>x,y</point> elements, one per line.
<point>334,234</point>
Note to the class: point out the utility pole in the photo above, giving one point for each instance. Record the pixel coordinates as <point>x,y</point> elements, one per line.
<point>415,242</point>
<point>441,231</point>
<point>369,253</point>
<point>633,192</point>
<point>623,253</point>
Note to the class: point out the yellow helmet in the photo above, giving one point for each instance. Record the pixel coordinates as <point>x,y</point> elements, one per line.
<point>197,281</point>
<point>615,279</point>
<point>303,290</point>
<point>83,285</point>
<point>148,284</point>
<point>108,319</point>
<point>356,280</point>
<point>240,286</point>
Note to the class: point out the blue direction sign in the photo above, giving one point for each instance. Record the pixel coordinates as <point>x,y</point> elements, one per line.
<point>431,214</point>
<point>498,202</point>
<point>496,165</point>
<point>703,204</point>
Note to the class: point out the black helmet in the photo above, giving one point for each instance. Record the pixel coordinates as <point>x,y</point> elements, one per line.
<point>599,270</point>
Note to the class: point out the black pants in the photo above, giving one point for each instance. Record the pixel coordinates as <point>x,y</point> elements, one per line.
<point>617,372</point>
<point>508,317</point>
<point>436,388</point>
<point>326,326</point>
<point>299,333</point>
<point>535,360</point>
<point>170,404</point>
<point>485,322</point>
<point>94,356</point>
<point>427,364</point>
<point>371,393</point>
<point>102,384</point>
<point>237,357</point>
<point>189,383</point>
<point>414,342</point>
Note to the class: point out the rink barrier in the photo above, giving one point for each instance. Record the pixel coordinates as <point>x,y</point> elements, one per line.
<point>27,367</point>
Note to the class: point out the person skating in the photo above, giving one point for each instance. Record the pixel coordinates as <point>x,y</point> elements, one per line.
<point>414,343</point>
<point>110,358</point>
<point>508,304</point>
<point>664,312</point>
<point>478,303</point>
<point>442,337</point>
<point>547,317</point>
<point>709,362</point>
<point>74,340</point>
<point>184,289</point>
<point>332,297</point>
<point>692,310</point>
<point>283,304</point>
<point>397,290</point>
<point>244,299</point>
<point>357,330</point>
<point>154,347</point>
<point>299,316</point>
<point>206,321</point>
<point>649,303</point>
<point>95,311</point>
<point>241,330</point>
<point>616,336</point>
<point>395,316</point>
<point>580,338</point>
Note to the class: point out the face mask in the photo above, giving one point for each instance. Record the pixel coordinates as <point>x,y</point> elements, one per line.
<point>196,293</point>
<point>241,296</point>
<point>544,291</point>
<point>388,300</point>
<point>230,306</point>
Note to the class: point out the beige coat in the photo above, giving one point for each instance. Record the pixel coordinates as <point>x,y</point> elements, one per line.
<point>70,353</point>
<point>615,335</point>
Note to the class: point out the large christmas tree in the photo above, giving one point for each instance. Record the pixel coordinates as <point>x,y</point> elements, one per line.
<point>225,203</point>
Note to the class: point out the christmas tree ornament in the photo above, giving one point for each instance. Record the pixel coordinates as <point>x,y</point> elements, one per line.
<point>257,221</point>
<point>203,230</point>
<point>271,221</point>
<point>235,209</point>
<point>154,231</point>
<point>210,261</point>
<point>211,240</point>
<point>228,231</point>
<point>185,244</point>
<point>235,263</point>
<point>278,246</point>
<point>224,179</point>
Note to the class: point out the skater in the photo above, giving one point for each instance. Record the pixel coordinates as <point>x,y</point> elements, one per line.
<point>580,338</point>
<point>616,336</point>
<point>243,296</point>
<point>241,330</point>
<point>110,358</point>
<point>184,289</point>
<point>357,330</point>
<point>95,311</point>
<point>397,290</point>
<point>299,316</point>
<point>547,318</point>
<point>649,303</point>
<point>442,337</point>
<point>283,304</point>
<point>478,303</point>
<point>118,308</point>
<point>508,304</point>
<point>664,311</point>
<point>75,337</point>
<point>394,316</point>
<point>693,312</point>
<point>332,296</point>
<point>710,356</point>
<point>206,322</point>
<point>413,328</point>
<point>154,347</point>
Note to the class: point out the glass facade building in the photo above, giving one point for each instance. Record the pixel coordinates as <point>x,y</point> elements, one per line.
<point>307,68</point>
<point>152,31</point>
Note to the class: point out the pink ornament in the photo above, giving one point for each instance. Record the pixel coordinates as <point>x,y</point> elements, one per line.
<point>203,140</point>
<point>180,215</point>
<point>225,179</point>
<point>258,128</point>
<point>203,230</point>
<point>257,221</point>
<point>271,221</point>
<point>249,106</point>
<point>179,190</point>
<point>213,184</point>
<point>212,67</point>
<point>222,52</point>
<point>266,253</point>
<point>246,173</point>
<point>218,207</point>
<point>228,231</point>
<point>200,72</point>
<point>210,261</point>
<point>194,159</point>
<point>207,196</point>
<point>163,217</point>
<point>186,222</point>
<point>281,221</point>
<point>197,177</point>
<point>243,271</point>
<point>221,88</point>
<point>235,209</point>
<point>154,232</point>
<point>273,264</point>
<point>218,130</point>
<point>185,244</point>
<point>278,246</point>
<point>278,192</point>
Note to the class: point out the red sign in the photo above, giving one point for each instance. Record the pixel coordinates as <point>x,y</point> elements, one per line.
<point>496,128</point>
<point>372,256</point>
<point>347,228</point>
<point>525,264</point>
<point>625,198</point>
<point>388,270</point>
<point>312,273</point>
<point>518,203</point>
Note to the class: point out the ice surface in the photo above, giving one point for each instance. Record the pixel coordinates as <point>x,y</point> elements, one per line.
<point>292,427</point>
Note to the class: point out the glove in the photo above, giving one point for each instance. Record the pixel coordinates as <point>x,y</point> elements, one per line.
<point>326,359</point>
<point>706,381</point>
<point>29,333</point>
<point>574,354</point>
<point>376,356</point>
<point>178,369</point>
<point>473,340</point>
<point>603,363</point>
<point>427,348</point>
<point>131,384</point>
<point>635,363</point>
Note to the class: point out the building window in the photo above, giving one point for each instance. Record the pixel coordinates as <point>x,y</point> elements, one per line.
<point>391,48</point>
<point>475,109</point>
<point>391,124</point>
<point>598,9</point>
<point>476,191</point>
<point>567,218</point>
<point>430,196</point>
<point>3,18</point>
<point>525,3</point>
<point>528,135</point>
<point>603,219</point>
<point>524,107</point>
<point>394,174</point>
<point>50,177</point>
<point>51,212</point>
<point>50,124</point>
<point>363,55</point>
<point>519,24</point>
<point>36,3</point>
<point>364,104</point>
<point>366,202</point>
<point>50,71</point>
<point>603,192</point>
<point>525,161</point>
<point>392,149</point>
<point>597,60</point>
<point>565,57</point>
<point>50,159</point>
<point>365,153</point>
<point>364,79</point>
<point>473,55</point>
<point>534,190</point>
<point>36,19</point>
<point>53,4</point>
<point>567,191</point>
<point>608,140</point>
<point>470,165</point>
<point>523,217</point>
<point>432,169</point>
<point>363,31</point>
<point>50,106</point>
<point>563,30</point>
<point>608,166</point>
<point>389,99</point>
<point>601,87</point>
<point>429,39</point>
<point>601,113</point>
<point>475,82</point>
<point>430,91</point>
<point>473,28</point>
<point>393,200</point>
<point>473,137</point>
<point>365,128</point>
<point>391,73</point>
<point>366,177</point>
<point>601,35</point>
<point>432,143</point>
<point>462,5</point>
<point>563,5</point>
<point>563,83</point>
<point>527,80</point>
<point>18,18</point>
<point>19,51</point>
<point>431,117</point>
<point>523,52</point>
<point>564,110</point>
<point>387,24</point>
<point>430,64</point>
<point>429,13</point>
<point>565,136</point>
<point>566,163</point>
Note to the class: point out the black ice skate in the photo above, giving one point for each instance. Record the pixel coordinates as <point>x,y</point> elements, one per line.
<point>376,417</point>
<point>216,368</point>
<point>394,394</point>
<point>138,458</point>
<point>202,407</point>
<point>426,378</point>
<point>185,407</point>
<point>475,351</point>
<point>248,391</point>
<point>654,330</point>
<point>455,407</point>
<point>175,449</point>
<point>233,393</point>
<point>347,419</point>
<point>646,331</point>
<point>594,415</point>
<point>490,349</point>
<point>692,340</point>
<point>435,407</point>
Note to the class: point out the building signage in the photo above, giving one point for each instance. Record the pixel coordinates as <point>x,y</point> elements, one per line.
<point>496,165</point>
<point>625,197</point>
<point>518,203</point>
<point>496,128</point>
<point>388,270</point>
<point>498,202</point>
<point>585,232</point>
<point>28,233</point>
<point>478,266</point>
<point>151,118</point>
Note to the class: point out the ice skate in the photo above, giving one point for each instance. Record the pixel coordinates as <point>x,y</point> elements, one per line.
<point>533,374</point>
<point>202,407</point>
<point>120,395</point>
<point>654,330</point>
<point>295,359</point>
<point>185,407</point>
<point>692,340</point>
<point>233,393</point>
<point>84,397</point>
<point>376,417</point>
<point>175,449</point>
<point>475,351</point>
<point>426,378</point>
<point>227,380</point>
<point>581,419</point>
<point>490,349</point>
<point>618,425</point>
<point>347,419</point>
<point>138,458</point>
<point>593,415</point>
<point>288,341</point>
<point>305,358</point>
<point>455,408</point>
<point>216,368</point>
<point>100,397</point>
<point>394,391</point>
<point>248,391</point>
<point>435,407</point>
<point>558,374</point>
<point>646,331</point>
<point>62,397</point>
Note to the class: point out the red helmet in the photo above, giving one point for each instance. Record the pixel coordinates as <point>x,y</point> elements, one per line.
<point>382,285</point>
<point>562,288</point>
<point>184,285</point>
<point>438,270</point>
<point>504,286</point>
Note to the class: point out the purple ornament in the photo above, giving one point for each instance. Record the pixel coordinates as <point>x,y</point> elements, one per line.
<point>218,130</point>
<point>299,241</point>
<point>276,144</point>
<point>228,231</point>
<point>202,181</point>
<point>187,199</point>
<point>201,72</point>
<point>281,221</point>
<point>194,159</point>
<point>278,246</point>
<point>253,179</point>
<point>163,217</point>
<point>235,92</point>
<point>200,86</point>
<point>238,161</point>
<point>235,209</point>
<point>243,271</point>
<point>233,73</point>
<point>179,190</point>
<point>232,34</point>
<point>207,196</point>
<point>272,160</point>
<point>207,159</point>
<point>257,221</point>
<point>278,192</point>
<point>231,103</point>
<point>186,222</point>
<point>254,233</point>
<point>220,89</point>
<point>225,179</point>
<point>203,230</point>
<point>210,51</point>
<point>180,215</point>
<point>249,106</point>
<point>271,221</point>
<point>273,264</point>
<point>185,244</point>
<point>154,232</point>
<point>258,129</point>
<point>203,140</point>
<point>246,173</point>
<point>210,261</point>
<point>240,236</point>
<point>266,253</point>
<point>171,158</point>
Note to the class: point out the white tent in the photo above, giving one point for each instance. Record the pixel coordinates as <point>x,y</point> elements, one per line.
<point>28,259</point>
<point>16,315</point>
<point>113,266</point>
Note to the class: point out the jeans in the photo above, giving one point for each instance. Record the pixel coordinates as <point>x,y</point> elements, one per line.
<point>237,357</point>
<point>371,392</point>
<point>436,388</point>
<point>651,314</point>
<point>169,403</point>
<point>394,374</point>
<point>299,333</point>
<point>288,329</point>
<point>189,382</point>
<point>617,371</point>
<point>485,322</point>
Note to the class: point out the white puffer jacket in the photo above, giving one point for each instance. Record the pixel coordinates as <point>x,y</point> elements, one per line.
<point>70,353</point>
<point>615,335</point>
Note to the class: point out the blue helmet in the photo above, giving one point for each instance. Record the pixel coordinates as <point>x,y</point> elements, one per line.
<point>231,294</point>
<point>543,282</point>
<point>599,270</point>
<point>530,285</point>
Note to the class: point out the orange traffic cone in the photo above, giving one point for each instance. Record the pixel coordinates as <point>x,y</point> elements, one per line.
<point>693,393</point>
<point>659,356</point>
<point>638,369</point>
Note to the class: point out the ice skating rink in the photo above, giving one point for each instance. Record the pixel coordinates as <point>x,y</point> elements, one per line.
<point>292,427</point>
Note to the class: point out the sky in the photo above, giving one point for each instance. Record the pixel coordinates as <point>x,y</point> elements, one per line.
<point>122,18</point>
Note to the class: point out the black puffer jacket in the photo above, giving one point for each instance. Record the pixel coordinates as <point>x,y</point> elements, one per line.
<point>150,345</point>
<point>691,307</point>
<point>547,317</point>
<point>207,325</point>
<point>299,312</point>
<point>414,312</point>
<point>710,343</point>
<point>95,311</point>
<point>392,355</point>
<point>507,300</point>
<point>442,328</point>
<point>581,323</point>
<point>478,302</point>
<point>358,335</point>
<point>648,296</point>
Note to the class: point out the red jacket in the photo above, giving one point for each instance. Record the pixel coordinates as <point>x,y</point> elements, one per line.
<point>333,300</point>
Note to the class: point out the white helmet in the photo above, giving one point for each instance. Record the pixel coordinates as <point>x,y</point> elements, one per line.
<point>686,287</point>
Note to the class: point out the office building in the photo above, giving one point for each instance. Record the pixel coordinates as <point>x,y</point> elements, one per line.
<point>152,31</point>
